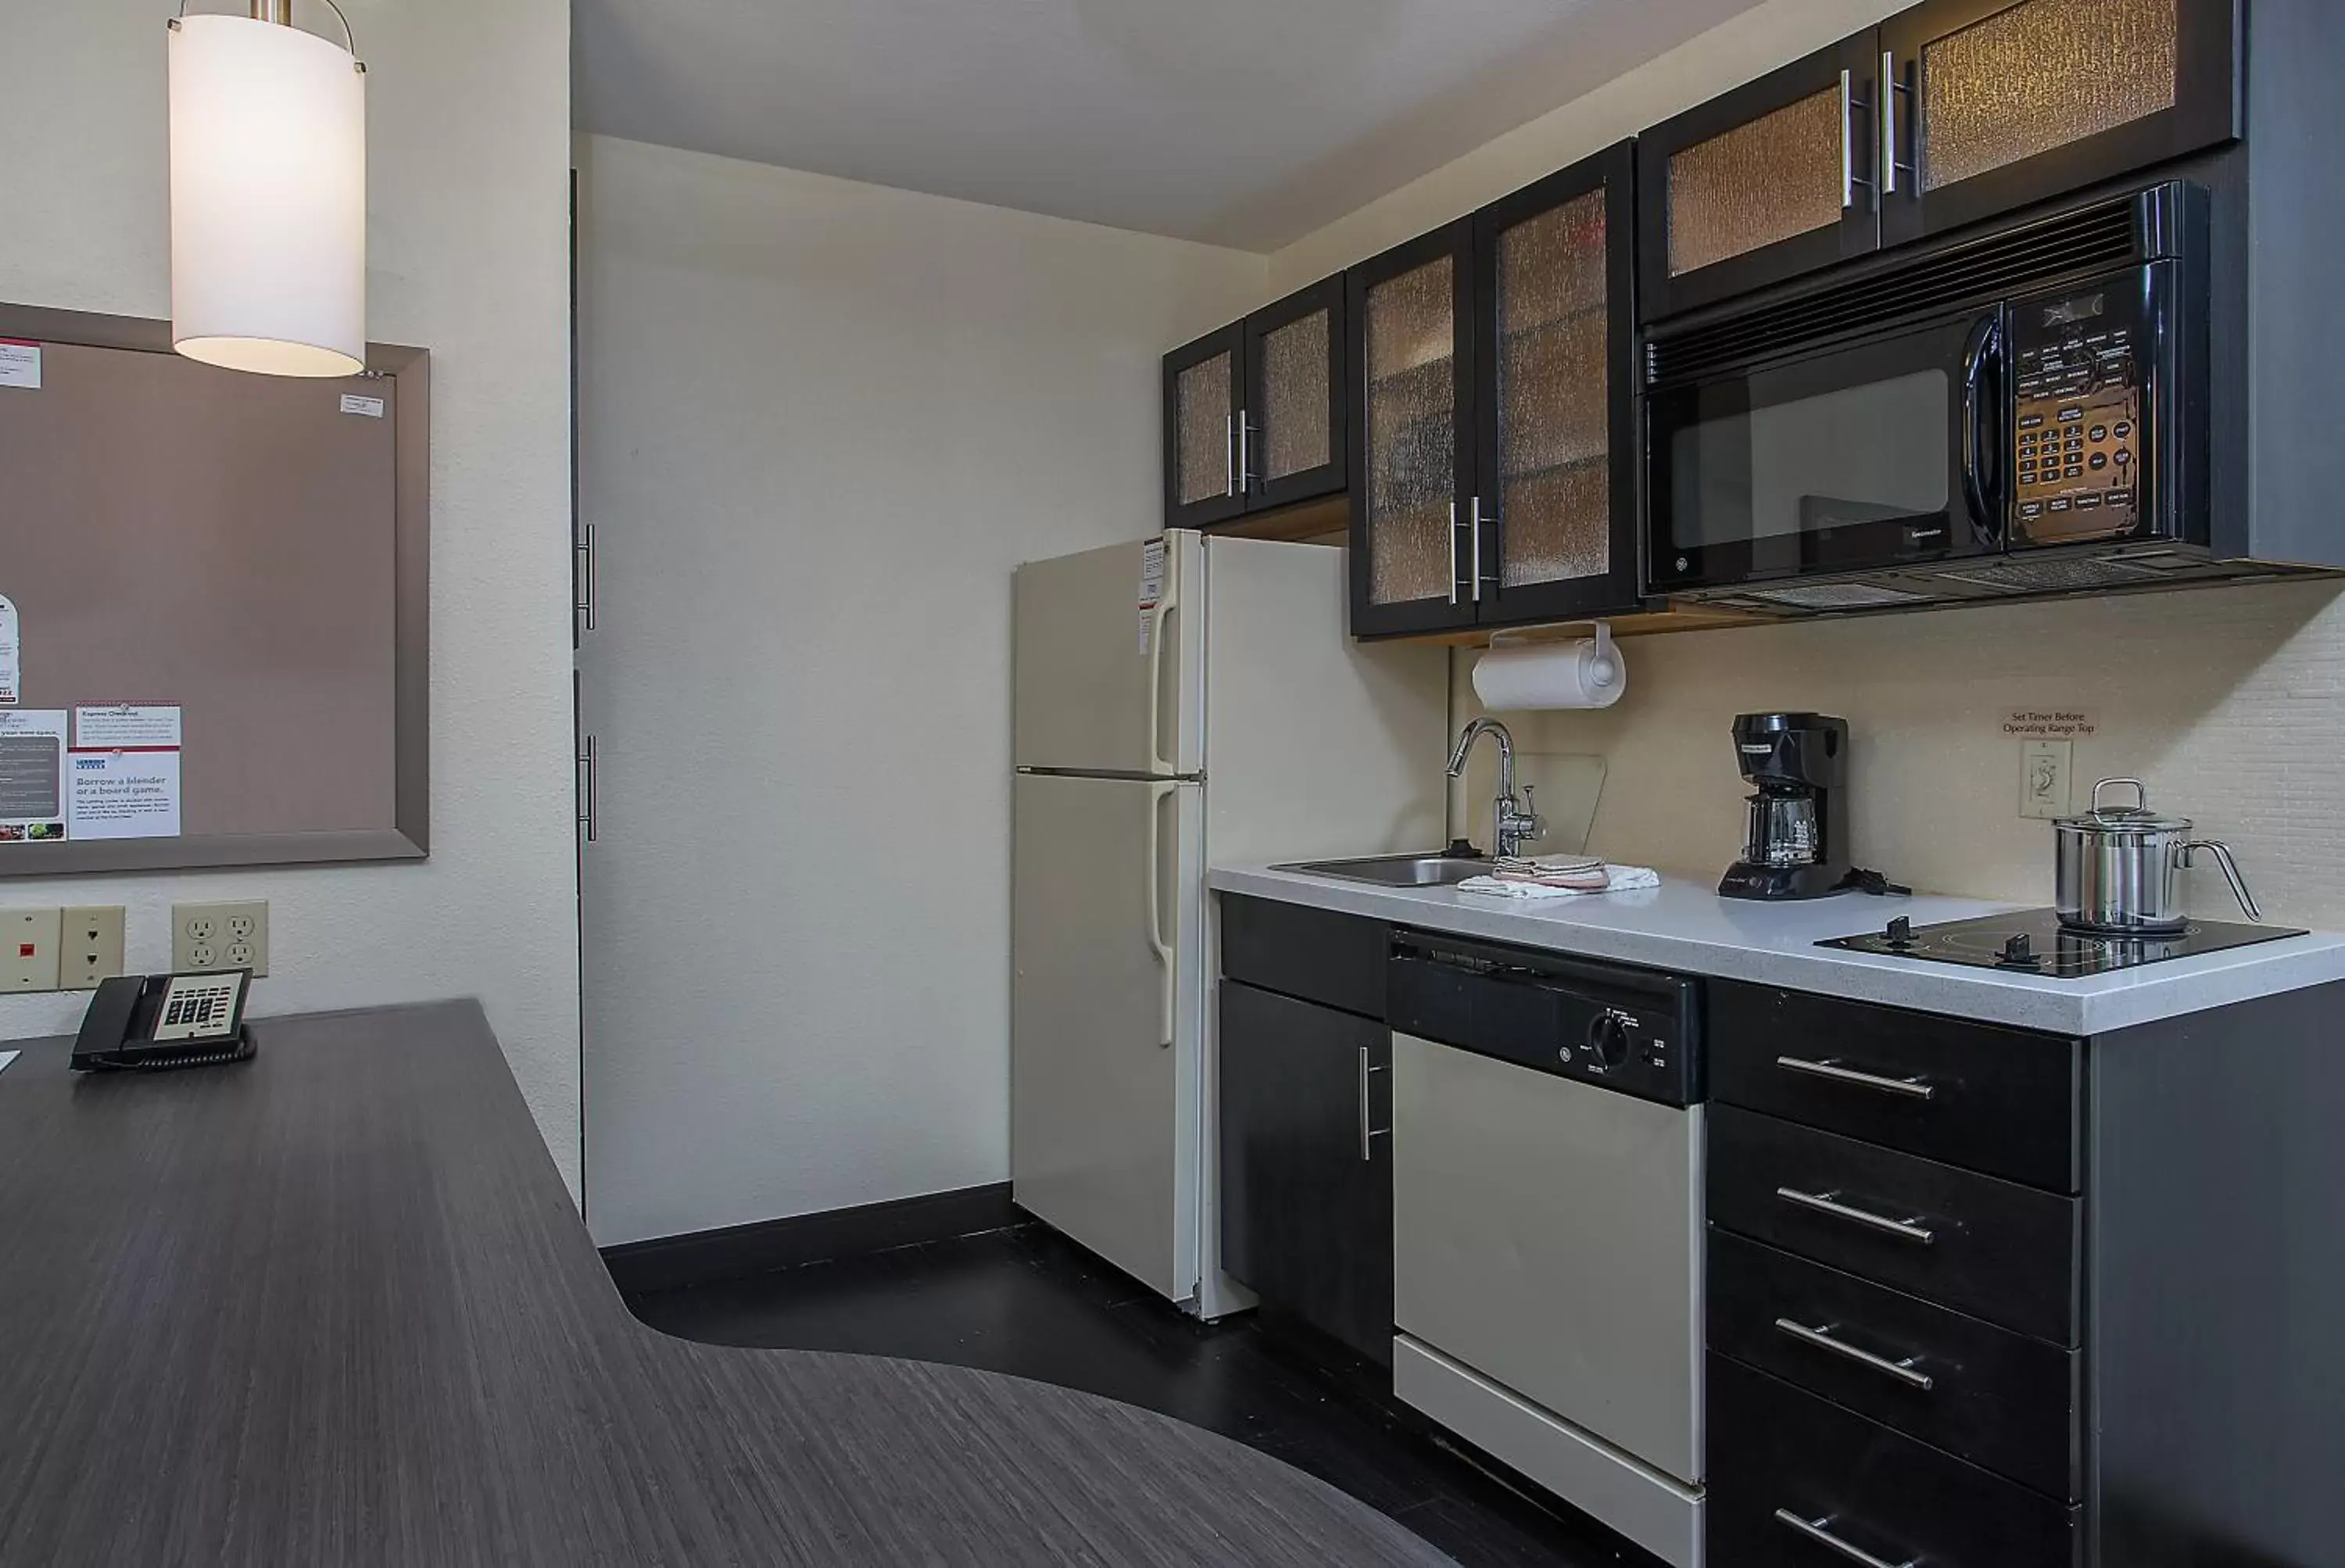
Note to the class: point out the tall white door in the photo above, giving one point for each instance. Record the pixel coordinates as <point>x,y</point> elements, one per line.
<point>1104,993</point>
<point>1108,673</point>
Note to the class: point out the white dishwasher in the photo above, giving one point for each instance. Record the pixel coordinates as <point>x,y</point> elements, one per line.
<point>1547,1223</point>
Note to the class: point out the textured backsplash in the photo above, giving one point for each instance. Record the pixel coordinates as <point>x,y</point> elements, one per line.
<point>2230,702</point>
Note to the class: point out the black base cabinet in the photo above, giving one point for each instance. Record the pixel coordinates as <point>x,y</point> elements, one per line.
<point>2126,1358</point>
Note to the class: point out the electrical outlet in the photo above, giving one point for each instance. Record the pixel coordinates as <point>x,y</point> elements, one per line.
<point>220,936</point>
<point>91,946</point>
<point>2044,777</point>
<point>28,950</point>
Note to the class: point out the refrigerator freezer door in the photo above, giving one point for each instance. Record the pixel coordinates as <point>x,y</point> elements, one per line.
<point>1108,668</point>
<point>1105,1003</point>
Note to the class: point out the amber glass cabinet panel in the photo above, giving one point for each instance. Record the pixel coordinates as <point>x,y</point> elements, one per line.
<point>1204,389</point>
<point>1769,181</point>
<point>1995,105</point>
<point>1293,416</point>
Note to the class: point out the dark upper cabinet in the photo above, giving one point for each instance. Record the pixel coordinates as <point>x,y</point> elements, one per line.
<point>1254,412</point>
<point>1204,388</point>
<point>1494,472</point>
<point>1306,1103</point>
<point>1291,430</point>
<point>1995,105</point>
<point>1764,183</point>
<point>1411,407</point>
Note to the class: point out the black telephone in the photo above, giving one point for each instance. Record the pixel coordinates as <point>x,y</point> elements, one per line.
<point>151,1020</point>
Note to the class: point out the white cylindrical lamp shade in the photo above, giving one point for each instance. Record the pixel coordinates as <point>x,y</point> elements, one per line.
<point>267,198</point>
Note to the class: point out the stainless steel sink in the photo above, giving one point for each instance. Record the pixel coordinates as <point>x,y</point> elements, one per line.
<point>1396,871</point>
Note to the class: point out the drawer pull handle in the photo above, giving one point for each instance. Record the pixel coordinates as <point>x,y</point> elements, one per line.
<point>1821,1339</point>
<point>1911,1088</point>
<point>1815,1530</point>
<point>1828,1203</point>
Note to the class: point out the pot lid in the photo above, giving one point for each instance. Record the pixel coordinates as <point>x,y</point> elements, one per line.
<point>2136,817</point>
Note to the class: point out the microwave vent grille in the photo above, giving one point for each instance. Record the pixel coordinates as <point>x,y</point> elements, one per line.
<point>2015,262</point>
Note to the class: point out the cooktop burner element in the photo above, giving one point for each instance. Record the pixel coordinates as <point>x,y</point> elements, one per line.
<point>2033,942</point>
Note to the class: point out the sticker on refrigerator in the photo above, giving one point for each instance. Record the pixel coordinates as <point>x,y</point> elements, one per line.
<point>1152,574</point>
<point>1147,627</point>
<point>20,363</point>
<point>11,680</point>
<point>32,775</point>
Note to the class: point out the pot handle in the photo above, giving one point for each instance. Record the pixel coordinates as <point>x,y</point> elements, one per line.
<point>2140,794</point>
<point>2222,854</point>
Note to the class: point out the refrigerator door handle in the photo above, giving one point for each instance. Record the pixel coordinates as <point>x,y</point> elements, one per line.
<point>1165,960</point>
<point>1168,603</point>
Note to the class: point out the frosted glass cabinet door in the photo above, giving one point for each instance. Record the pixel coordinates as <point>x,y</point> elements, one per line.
<point>1412,462</point>
<point>1998,103</point>
<point>1769,181</point>
<point>1554,427</point>
<point>1203,391</point>
<point>1293,443</point>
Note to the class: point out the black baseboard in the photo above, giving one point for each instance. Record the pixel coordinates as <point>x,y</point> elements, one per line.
<point>738,1251</point>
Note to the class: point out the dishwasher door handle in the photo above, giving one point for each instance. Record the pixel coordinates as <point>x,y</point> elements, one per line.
<point>1369,1132</point>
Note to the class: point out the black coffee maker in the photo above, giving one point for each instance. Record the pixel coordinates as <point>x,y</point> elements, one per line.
<point>1797,843</point>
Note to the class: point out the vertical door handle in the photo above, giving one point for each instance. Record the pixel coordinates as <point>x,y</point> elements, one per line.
<point>1890,88</point>
<point>1168,605</point>
<point>1847,140</point>
<point>1478,520</point>
<point>1369,1131</point>
<point>1229,451</point>
<point>1245,461</point>
<point>586,789</point>
<point>584,607</point>
<point>1166,960</point>
<point>1453,551</point>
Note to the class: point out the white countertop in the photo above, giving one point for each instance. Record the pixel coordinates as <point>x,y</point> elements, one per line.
<point>1686,926</point>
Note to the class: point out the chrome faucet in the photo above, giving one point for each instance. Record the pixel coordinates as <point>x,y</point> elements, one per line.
<point>1513,823</point>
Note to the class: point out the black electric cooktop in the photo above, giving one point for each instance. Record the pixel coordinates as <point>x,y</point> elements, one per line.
<point>2033,941</point>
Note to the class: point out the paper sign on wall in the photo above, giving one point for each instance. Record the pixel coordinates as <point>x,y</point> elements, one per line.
<point>2051,723</point>
<point>11,678</point>
<point>128,724</point>
<point>369,406</point>
<point>32,774</point>
<point>20,363</point>
<point>125,794</point>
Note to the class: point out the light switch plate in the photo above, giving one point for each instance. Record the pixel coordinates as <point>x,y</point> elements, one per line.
<point>2044,777</point>
<point>28,950</point>
<point>90,946</point>
<point>219,936</point>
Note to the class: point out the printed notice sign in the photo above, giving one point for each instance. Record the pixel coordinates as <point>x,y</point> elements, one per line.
<point>11,680</point>
<point>125,794</point>
<point>369,406</point>
<point>20,363</point>
<point>2051,723</point>
<point>32,774</point>
<point>1152,574</point>
<point>128,724</point>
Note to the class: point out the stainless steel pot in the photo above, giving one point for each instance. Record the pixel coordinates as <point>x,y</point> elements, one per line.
<point>2119,867</point>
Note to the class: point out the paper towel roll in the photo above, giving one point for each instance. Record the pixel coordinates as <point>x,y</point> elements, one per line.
<point>1586,674</point>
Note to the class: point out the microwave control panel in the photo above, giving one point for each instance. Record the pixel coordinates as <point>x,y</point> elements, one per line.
<point>2081,408</point>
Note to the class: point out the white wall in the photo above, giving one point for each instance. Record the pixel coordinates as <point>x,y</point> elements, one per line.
<point>822,423</point>
<point>2231,701</point>
<point>468,126</point>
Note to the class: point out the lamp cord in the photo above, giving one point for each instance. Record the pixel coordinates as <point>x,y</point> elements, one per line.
<point>348,31</point>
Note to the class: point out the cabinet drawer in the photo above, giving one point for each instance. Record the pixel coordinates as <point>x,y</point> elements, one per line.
<point>1318,955</point>
<point>1778,1456</point>
<point>1989,1248</point>
<point>1991,1099</point>
<point>1997,1399</point>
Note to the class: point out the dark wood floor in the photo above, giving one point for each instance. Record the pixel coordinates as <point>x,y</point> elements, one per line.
<point>1026,1301</point>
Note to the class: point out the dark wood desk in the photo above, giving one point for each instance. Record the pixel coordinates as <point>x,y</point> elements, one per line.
<point>332,1306</point>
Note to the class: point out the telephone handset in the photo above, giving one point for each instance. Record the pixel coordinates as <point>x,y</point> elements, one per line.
<point>146,1022</point>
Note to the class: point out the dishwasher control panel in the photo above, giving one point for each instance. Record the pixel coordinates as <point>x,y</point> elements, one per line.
<point>1637,1031</point>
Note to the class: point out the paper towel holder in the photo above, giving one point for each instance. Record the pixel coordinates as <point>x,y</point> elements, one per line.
<point>1602,667</point>
<point>1606,653</point>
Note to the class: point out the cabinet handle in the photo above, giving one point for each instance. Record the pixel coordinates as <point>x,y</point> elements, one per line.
<point>1889,88</point>
<point>1229,446</point>
<point>1477,520</point>
<point>1245,462</point>
<point>1828,1203</point>
<point>1453,551</point>
<point>1821,1339</point>
<point>1368,1133</point>
<point>1847,140</point>
<point>587,814</point>
<point>1816,1530</point>
<point>1911,1088</point>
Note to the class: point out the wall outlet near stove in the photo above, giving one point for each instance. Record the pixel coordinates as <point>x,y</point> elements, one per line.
<point>2044,777</point>
<point>220,936</point>
<point>90,949</point>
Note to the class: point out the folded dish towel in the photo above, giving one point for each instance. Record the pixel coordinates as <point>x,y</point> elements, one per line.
<point>1585,873</point>
<point>1617,879</point>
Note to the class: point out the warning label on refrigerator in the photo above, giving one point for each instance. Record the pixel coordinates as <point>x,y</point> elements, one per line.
<point>1152,574</point>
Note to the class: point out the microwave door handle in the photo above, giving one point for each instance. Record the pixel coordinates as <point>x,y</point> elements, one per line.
<point>1982,489</point>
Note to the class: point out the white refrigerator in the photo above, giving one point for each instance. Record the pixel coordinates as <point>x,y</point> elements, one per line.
<point>1180,701</point>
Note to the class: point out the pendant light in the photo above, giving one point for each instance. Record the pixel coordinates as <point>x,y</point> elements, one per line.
<point>267,194</point>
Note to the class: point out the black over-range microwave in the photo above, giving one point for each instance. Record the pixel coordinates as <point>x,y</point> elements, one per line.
<point>2024,412</point>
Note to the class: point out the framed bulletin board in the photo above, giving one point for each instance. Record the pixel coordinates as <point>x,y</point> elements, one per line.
<point>214,605</point>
